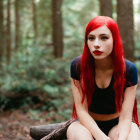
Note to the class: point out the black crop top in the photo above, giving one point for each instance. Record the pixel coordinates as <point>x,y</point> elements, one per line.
<point>103,99</point>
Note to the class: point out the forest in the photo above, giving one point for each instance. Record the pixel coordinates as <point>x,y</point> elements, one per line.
<point>38,40</point>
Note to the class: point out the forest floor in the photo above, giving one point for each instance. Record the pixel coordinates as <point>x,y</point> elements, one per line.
<point>15,125</point>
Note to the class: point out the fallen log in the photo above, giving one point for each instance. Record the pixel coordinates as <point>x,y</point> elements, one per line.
<point>55,131</point>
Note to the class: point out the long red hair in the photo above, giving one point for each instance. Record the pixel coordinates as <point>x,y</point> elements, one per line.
<point>87,65</point>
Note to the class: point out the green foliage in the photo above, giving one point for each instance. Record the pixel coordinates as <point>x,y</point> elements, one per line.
<point>3,102</point>
<point>15,103</point>
<point>73,22</point>
<point>36,71</point>
<point>44,21</point>
<point>34,115</point>
<point>138,65</point>
<point>137,54</point>
<point>137,46</point>
<point>65,113</point>
<point>51,90</point>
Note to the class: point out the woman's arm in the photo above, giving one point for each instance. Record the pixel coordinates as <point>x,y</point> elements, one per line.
<point>126,113</point>
<point>82,112</point>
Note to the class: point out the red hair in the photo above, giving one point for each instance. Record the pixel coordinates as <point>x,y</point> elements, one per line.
<point>87,65</point>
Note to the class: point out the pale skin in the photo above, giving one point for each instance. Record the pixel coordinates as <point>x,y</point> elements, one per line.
<point>86,128</point>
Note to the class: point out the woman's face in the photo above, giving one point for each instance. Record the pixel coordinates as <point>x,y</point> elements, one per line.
<point>100,42</point>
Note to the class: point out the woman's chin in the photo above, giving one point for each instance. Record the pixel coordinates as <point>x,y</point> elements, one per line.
<point>98,57</point>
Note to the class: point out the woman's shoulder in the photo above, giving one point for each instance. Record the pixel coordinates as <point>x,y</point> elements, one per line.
<point>75,68</point>
<point>131,73</point>
<point>130,66</point>
<point>76,60</point>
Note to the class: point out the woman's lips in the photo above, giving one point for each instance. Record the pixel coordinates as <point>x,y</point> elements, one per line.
<point>97,52</point>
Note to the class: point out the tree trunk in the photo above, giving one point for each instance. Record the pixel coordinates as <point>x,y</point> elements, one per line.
<point>55,131</point>
<point>17,24</point>
<point>126,26</point>
<point>1,30</point>
<point>34,20</point>
<point>8,33</point>
<point>106,8</point>
<point>57,35</point>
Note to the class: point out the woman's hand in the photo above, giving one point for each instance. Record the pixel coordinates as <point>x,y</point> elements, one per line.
<point>106,138</point>
<point>118,137</point>
<point>103,137</point>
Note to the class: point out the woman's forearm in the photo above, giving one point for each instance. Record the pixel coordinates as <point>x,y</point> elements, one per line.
<point>124,127</point>
<point>86,120</point>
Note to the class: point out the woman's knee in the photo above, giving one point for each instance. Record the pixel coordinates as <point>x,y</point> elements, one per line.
<point>133,135</point>
<point>134,132</point>
<point>76,131</point>
<point>113,132</point>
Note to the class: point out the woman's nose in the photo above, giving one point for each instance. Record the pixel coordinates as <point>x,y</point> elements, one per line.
<point>96,44</point>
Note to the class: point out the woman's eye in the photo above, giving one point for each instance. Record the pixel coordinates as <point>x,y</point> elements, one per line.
<point>91,38</point>
<point>104,38</point>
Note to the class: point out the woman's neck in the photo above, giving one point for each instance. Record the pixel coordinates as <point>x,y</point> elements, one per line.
<point>104,64</point>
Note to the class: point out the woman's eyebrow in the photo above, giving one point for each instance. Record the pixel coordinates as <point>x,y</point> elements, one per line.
<point>99,34</point>
<point>91,35</point>
<point>104,34</point>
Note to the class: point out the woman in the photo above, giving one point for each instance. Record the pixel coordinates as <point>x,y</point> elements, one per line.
<point>104,87</point>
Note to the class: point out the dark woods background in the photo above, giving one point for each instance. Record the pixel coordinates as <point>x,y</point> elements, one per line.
<point>38,40</point>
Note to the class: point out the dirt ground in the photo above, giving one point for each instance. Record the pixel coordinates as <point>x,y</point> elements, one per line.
<point>15,125</point>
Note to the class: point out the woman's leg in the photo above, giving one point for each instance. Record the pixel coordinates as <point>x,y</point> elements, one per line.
<point>133,135</point>
<point>134,132</point>
<point>77,131</point>
<point>112,132</point>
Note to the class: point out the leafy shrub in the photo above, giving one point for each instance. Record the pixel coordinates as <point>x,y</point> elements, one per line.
<point>34,69</point>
